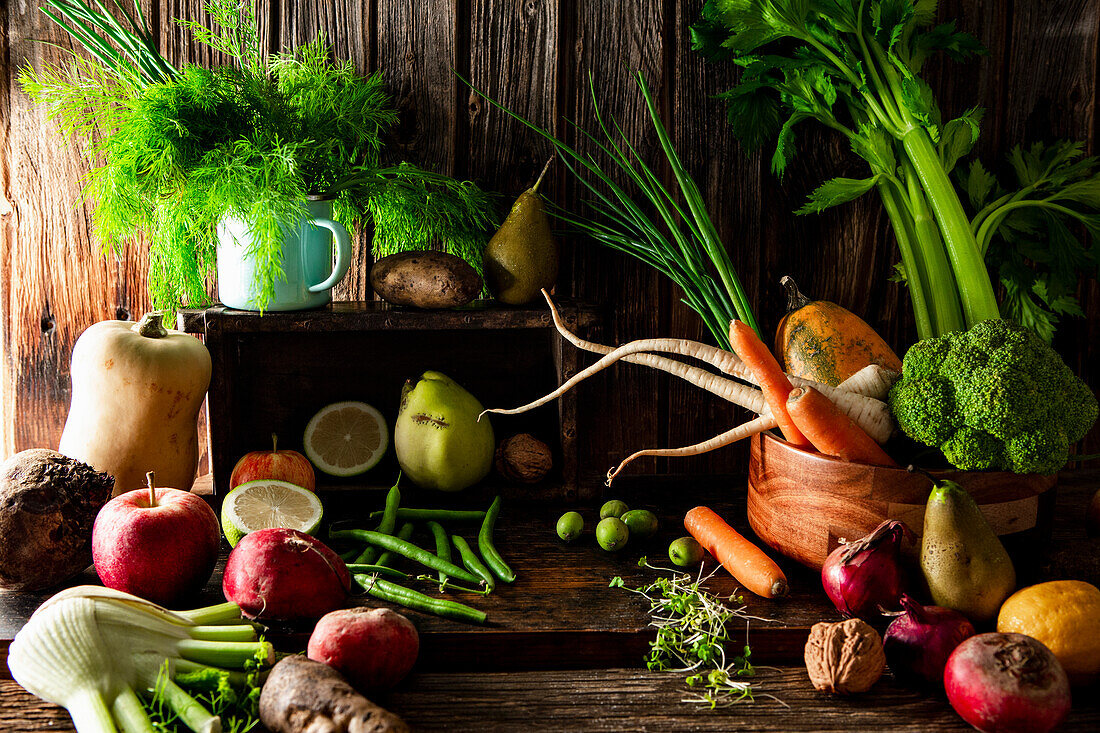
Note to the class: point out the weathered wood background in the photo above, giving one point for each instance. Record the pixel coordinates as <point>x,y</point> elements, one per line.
<point>1038,82</point>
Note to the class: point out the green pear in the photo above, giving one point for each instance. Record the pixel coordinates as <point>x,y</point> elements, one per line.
<point>964,562</point>
<point>522,257</point>
<point>439,441</point>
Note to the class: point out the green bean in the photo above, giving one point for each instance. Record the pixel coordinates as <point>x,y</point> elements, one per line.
<point>407,549</point>
<point>405,533</point>
<point>472,563</point>
<point>362,569</point>
<point>485,544</point>
<point>386,524</point>
<point>402,596</point>
<point>436,515</point>
<point>442,547</point>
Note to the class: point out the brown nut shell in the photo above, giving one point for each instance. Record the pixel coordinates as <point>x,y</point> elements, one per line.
<point>844,658</point>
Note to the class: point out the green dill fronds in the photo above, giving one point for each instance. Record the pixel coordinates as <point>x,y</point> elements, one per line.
<point>415,209</point>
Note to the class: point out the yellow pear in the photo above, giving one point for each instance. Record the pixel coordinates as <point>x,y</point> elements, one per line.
<point>522,257</point>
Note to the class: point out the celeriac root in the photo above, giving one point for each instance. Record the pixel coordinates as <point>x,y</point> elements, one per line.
<point>742,431</point>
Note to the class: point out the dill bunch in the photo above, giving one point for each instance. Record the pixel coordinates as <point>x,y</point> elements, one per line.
<point>174,152</point>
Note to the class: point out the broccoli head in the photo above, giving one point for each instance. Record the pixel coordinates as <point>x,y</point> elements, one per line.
<point>996,397</point>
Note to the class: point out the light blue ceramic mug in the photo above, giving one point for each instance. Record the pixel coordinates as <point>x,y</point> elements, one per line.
<point>309,272</point>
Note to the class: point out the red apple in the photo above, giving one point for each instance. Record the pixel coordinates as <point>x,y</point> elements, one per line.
<point>283,465</point>
<point>160,544</point>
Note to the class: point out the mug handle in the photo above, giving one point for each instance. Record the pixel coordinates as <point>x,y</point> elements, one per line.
<point>343,254</point>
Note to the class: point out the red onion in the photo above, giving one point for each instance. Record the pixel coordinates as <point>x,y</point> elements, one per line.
<point>919,641</point>
<point>1007,682</point>
<point>865,577</point>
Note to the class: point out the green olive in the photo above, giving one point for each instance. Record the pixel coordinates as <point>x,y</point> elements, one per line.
<point>685,552</point>
<point>613,508</point>
<point>570,525</point>
<point>641,522</point>
<point>612,534</point>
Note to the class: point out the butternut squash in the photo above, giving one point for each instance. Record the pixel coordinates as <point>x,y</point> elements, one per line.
<point>136,393</point>
<point>824,342</point>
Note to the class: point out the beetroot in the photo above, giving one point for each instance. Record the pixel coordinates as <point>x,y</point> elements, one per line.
<point>1007,682</point>
<point>285,575</point>
<point>374,648</point>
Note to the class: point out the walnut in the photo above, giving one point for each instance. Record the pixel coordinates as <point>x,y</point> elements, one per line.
<point>523,458</point>
<point>844,657</point>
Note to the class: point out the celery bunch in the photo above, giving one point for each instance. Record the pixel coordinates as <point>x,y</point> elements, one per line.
<point>854,66</point>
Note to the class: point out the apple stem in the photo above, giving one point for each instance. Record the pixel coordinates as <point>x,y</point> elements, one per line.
<point>149,478</point>
<point>274,443</point>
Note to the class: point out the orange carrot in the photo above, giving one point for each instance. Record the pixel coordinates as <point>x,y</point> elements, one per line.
<point>831,431</point>
<point>771,377</point>
<point>744,560</point>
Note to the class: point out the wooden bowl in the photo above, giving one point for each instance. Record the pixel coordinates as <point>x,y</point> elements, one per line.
<point>803,503</point>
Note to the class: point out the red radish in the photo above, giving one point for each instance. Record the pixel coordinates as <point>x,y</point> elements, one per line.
<point>285,575</point>
<point>919,641</point>
<point>374,648</point>
<point>1007,682</point>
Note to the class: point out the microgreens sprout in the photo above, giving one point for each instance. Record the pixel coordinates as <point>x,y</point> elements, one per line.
<point>692,634</point>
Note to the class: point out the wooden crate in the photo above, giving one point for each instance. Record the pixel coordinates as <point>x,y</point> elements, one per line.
<point>272,372</point>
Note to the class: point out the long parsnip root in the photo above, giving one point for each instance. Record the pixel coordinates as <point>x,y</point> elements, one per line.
<point>872,381</point>
<point>742,431</point>
<point>735,392</point>
<point>872,415</point>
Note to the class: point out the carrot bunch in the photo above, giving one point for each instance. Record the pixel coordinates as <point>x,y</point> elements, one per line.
<point>806,417</point>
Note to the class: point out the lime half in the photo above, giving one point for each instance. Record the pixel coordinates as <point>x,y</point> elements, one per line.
<point>346,438</point>
<point>267,503</point>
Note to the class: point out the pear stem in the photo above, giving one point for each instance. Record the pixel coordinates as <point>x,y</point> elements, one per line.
<point>274,443</point>
<point>913,469</point>
<point>149,481</point>
<point>535,188</point>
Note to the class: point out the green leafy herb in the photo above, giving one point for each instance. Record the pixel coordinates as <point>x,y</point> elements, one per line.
<point>174,152</point>
<point>232,696</point>
<point>693,635</point>
<point>1026,235</point>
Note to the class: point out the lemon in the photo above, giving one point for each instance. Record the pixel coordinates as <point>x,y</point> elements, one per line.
<point>346,438</point>
<point>1064,615</point>
<point>268,503</point>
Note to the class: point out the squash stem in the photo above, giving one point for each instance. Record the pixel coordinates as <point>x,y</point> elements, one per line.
<point>151,325</point>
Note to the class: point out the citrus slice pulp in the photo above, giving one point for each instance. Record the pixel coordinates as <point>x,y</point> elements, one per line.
<point>346,438</point>
<point>269,503</point>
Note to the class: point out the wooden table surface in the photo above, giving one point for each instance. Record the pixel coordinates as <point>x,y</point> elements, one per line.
<point>563,651</point>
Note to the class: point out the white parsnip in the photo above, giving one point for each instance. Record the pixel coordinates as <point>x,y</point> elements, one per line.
<point>873,381</point>
<point>872,415</point>
<point>728,389</point>
<point>742,431</point>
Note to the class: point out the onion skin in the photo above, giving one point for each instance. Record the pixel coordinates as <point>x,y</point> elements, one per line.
<point>919,642</point>
<point>1002,683</point>
<point>865,577</point>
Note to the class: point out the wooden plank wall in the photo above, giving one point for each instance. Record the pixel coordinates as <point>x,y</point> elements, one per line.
<point>1039,81</point>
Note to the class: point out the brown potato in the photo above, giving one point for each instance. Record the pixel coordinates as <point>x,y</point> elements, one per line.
<point>304,696</point>
<point>425,279</point>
